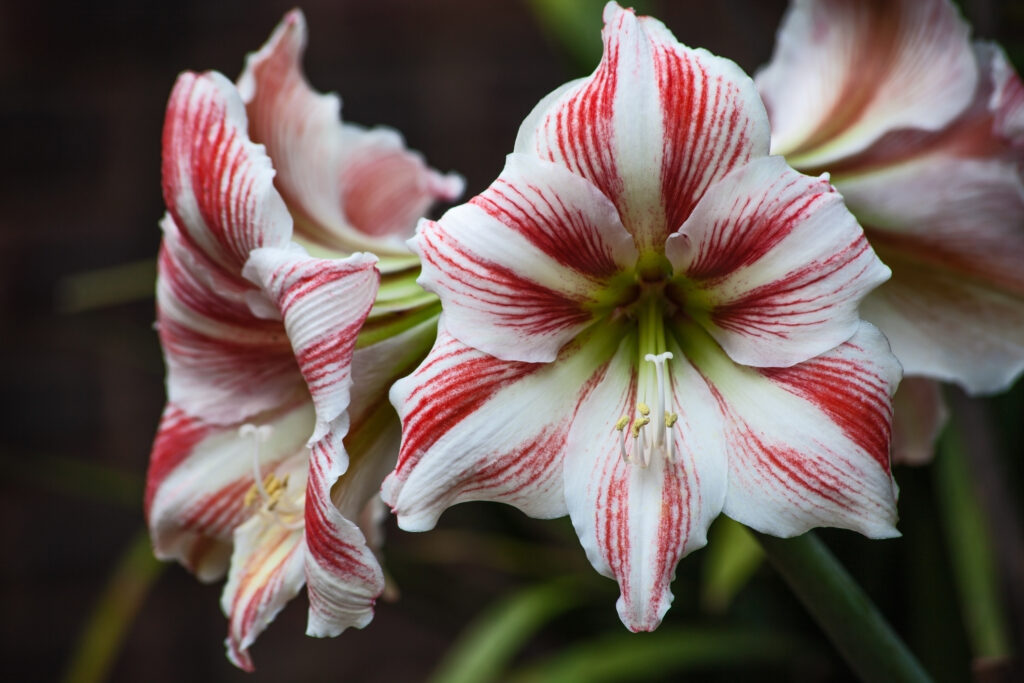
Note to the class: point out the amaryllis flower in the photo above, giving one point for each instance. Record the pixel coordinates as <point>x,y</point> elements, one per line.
<point>923,134</point>
<point>258,338</point>
<point>649,322</point>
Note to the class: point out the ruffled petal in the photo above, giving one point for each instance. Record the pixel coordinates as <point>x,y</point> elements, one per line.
<point>635,522</point>
<point>773,265</point>
<point>475,427</point>
<point>919,414</point>
<point>526,265</point>
<point>199,475</point>
<point>323,304</point>
<point>845,72</point>
<point>654,126</point>
<point>266,572</point>
<point>807,445</point>
<point>350,188</point>
<point>218,185</point>
<point>343,576</point>
<point>224,363</point>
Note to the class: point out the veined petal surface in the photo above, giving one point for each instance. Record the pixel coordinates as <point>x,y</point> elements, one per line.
<point>845,72</point>
<point>476,427</point>
<point>773,265</point>
<point>653,127</point>
<point>350,188</point>
<point>636,521</point>
<point>522,267</point>
<point>808,445</point>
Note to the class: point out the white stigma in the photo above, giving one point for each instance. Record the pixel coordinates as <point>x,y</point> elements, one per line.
<point>657,440</point>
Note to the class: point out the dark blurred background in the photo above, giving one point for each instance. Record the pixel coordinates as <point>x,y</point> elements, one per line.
<point>82,92</point>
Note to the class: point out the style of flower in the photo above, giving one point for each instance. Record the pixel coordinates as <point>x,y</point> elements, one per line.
<point>923,134</point>
<point>263,343</point>
<point>649,322</point>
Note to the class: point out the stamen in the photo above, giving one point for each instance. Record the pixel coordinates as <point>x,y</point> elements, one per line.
<point>660,439</point>
<point>269,489</point>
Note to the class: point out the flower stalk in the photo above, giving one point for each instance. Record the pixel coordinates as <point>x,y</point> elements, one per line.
<point>850,620</point>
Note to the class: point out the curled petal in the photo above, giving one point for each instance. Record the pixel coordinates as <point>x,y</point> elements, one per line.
<point>773,265</point>
<point>634,521</point>
<point>343,576</point>
<point>919,414</point>
<point>198,479</point>
<point>218,185</point>
<point>845,72</point>
<point>323,304</point>
<point>521,269</point>
<point>808,445</point>
<point>350,188</point>
<point>479,428</point>
<point>654,126</point>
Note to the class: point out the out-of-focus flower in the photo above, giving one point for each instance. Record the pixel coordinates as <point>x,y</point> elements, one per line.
<point>264,342</point>
<point>648,322</point>
<point>923,134</point>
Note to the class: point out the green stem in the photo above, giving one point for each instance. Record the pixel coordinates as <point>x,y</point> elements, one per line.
<point>849,618</point>
<point>970,549</point>
<point>104,633</point>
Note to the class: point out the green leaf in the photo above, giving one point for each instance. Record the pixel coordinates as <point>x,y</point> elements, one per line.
<point>575,25</point>
<point>638,656</point>
<point>485,647</point>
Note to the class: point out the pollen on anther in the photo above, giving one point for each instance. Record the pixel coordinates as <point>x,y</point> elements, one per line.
<point>638,425</point>
<point>670,419</point>
<point>643,409</point>
<point>622,422</point>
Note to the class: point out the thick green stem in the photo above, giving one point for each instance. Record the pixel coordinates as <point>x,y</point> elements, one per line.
<point>851,621</point>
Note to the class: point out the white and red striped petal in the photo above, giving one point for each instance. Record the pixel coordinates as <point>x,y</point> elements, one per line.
<point>479,428</point>
<point>343,576</point>
<point>773,265</point>
<point>218,185</point>
<point>199,475</point>
<point>323,303</point>
<point>350,188</point>
<point>635,521</point>
<point>266,568</point>
<point>653,127</point>
<point>809,445</point>
<point>521,269</point>
<point>919,414</point>
<point>845,72</point>
<point>224,363</point>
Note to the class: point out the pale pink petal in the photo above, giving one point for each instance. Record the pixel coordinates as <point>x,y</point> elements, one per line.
<point>224,363</point>
<point>199,475</point>
<point>266,570</point>
<point>773,265</point>
<point>217,184</point>
<point>1006,100</point>
<point>952,230</point>
<point>845,72</point>
<point>949,326</point>
<point>653,127</point>
<point>808,445</point>
<point>634,521</point>
<point>528,264</point>
<point>350,188</point>
<point>343,576</point>
<point>919,414</point>
<point>479,428</point>
<point>323,304</point>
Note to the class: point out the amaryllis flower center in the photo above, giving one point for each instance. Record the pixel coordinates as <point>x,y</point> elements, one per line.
<point>272,496</point>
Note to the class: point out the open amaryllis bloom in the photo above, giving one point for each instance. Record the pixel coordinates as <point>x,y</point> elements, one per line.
<point>923,134</point>
<point>258,338</point>
<point>648,322</point>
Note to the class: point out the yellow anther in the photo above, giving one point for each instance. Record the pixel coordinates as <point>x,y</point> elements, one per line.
<point>643,409</point>
<point>251,495</point>
<point>638,425</point>
<point>670,419</point>
<point>621,424</point>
